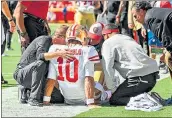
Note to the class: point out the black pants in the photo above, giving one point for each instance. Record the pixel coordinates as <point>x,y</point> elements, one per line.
<point>8,38</point>
<point>3,39</point>
<point>35,27</point>
<point>133,87</point>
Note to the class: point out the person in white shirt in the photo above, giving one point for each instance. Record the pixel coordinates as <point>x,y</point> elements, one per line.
<point>123,57</point>
<point>75,75</point>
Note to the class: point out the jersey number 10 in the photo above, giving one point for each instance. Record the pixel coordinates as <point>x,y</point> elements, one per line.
<point>67,70</point>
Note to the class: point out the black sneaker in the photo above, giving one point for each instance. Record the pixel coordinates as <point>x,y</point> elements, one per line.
<point>23,101</point>
<point>24,97</point>
<point>4,82</point>
<point>33,102</point>
<point>10,49</point>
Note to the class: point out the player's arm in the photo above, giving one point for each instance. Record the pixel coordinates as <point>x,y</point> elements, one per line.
<point>89,74</point>
<point>121,7</point>
<point>130,16</point>
<point>48,90</point>
<point>89,83</point>
<point>89,90</point>
<point>52,74</point>
<point>104,7</point>
<point>118,16</point>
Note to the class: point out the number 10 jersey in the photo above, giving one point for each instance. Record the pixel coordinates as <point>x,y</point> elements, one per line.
<point>71,73</point>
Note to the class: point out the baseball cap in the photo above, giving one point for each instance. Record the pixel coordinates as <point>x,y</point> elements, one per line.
<point>109,28</point>
<point>95,32</point>
<point>165,4</point>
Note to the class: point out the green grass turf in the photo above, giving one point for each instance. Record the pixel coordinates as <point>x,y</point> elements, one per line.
<point>163,87</point>
<point>10,61</point>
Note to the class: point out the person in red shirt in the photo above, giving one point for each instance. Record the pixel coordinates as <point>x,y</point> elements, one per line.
<point>31,20</point>
<point>31,23</point>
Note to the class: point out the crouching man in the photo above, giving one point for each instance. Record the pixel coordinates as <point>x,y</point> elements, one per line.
<point>122,54</point>
<point>75,75</point>
<point>32,67</point>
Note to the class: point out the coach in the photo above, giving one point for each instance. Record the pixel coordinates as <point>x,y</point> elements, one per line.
<point>159,21</point>
<point>30,20</point>
<point>32,67</point>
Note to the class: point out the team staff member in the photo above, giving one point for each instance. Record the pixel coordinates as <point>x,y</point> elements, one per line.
<point>6,14</point>
<point>122,54</point>
<point>32,67</point>
<point>159,21</point>
<point>30,20</point>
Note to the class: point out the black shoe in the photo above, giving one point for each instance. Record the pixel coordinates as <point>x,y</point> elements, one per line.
<point>4,82</point>
<point>10,49</point>
<point>33,102</point>
<point>24,97</point>
<point>23,101</point>
<point>158,98</point>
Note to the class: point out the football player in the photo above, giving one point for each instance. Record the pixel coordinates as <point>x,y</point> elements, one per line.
<point>85,12</point>
<point>75,76</point>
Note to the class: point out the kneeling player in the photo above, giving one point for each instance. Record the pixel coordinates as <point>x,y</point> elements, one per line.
<point>75,75</point>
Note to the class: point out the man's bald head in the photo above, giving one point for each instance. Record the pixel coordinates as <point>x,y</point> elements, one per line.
<point>60,35</point>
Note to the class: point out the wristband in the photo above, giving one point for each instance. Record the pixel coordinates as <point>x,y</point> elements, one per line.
<point>109,93</point>
<point>46,98</point>
<point>23,34</point>
<point>90,101</point>
<point>11,20</point>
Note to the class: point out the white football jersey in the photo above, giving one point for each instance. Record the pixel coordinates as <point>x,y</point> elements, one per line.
<point>70,74</point>
<point>86,6</point>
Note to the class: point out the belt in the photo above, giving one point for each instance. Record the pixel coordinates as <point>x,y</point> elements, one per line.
<point>35,18</point>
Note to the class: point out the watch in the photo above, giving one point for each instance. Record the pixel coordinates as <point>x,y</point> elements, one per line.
<point>23,34</point>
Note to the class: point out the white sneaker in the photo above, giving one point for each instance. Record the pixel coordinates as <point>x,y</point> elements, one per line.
<point>143,103</point>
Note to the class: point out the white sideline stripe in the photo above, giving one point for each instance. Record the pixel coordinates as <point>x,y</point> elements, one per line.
<point>7,73</point>
<point>9,62</point>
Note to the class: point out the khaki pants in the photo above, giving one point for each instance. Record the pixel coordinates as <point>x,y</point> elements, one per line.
<point>168,61</point>
<point>98,73</point>
<point>85,19</point>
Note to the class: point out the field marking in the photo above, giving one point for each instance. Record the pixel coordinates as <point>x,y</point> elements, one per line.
<point>7,73</point>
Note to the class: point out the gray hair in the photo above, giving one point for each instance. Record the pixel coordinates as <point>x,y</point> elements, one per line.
<point>141,5</point>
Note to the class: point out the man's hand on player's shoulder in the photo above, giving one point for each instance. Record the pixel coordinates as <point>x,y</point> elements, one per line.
<point>65,54</point>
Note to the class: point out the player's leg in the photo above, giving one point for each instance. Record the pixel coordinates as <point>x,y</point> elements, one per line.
<point>90,19</point>
<point>80,18</point>
<point>98,73</point>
